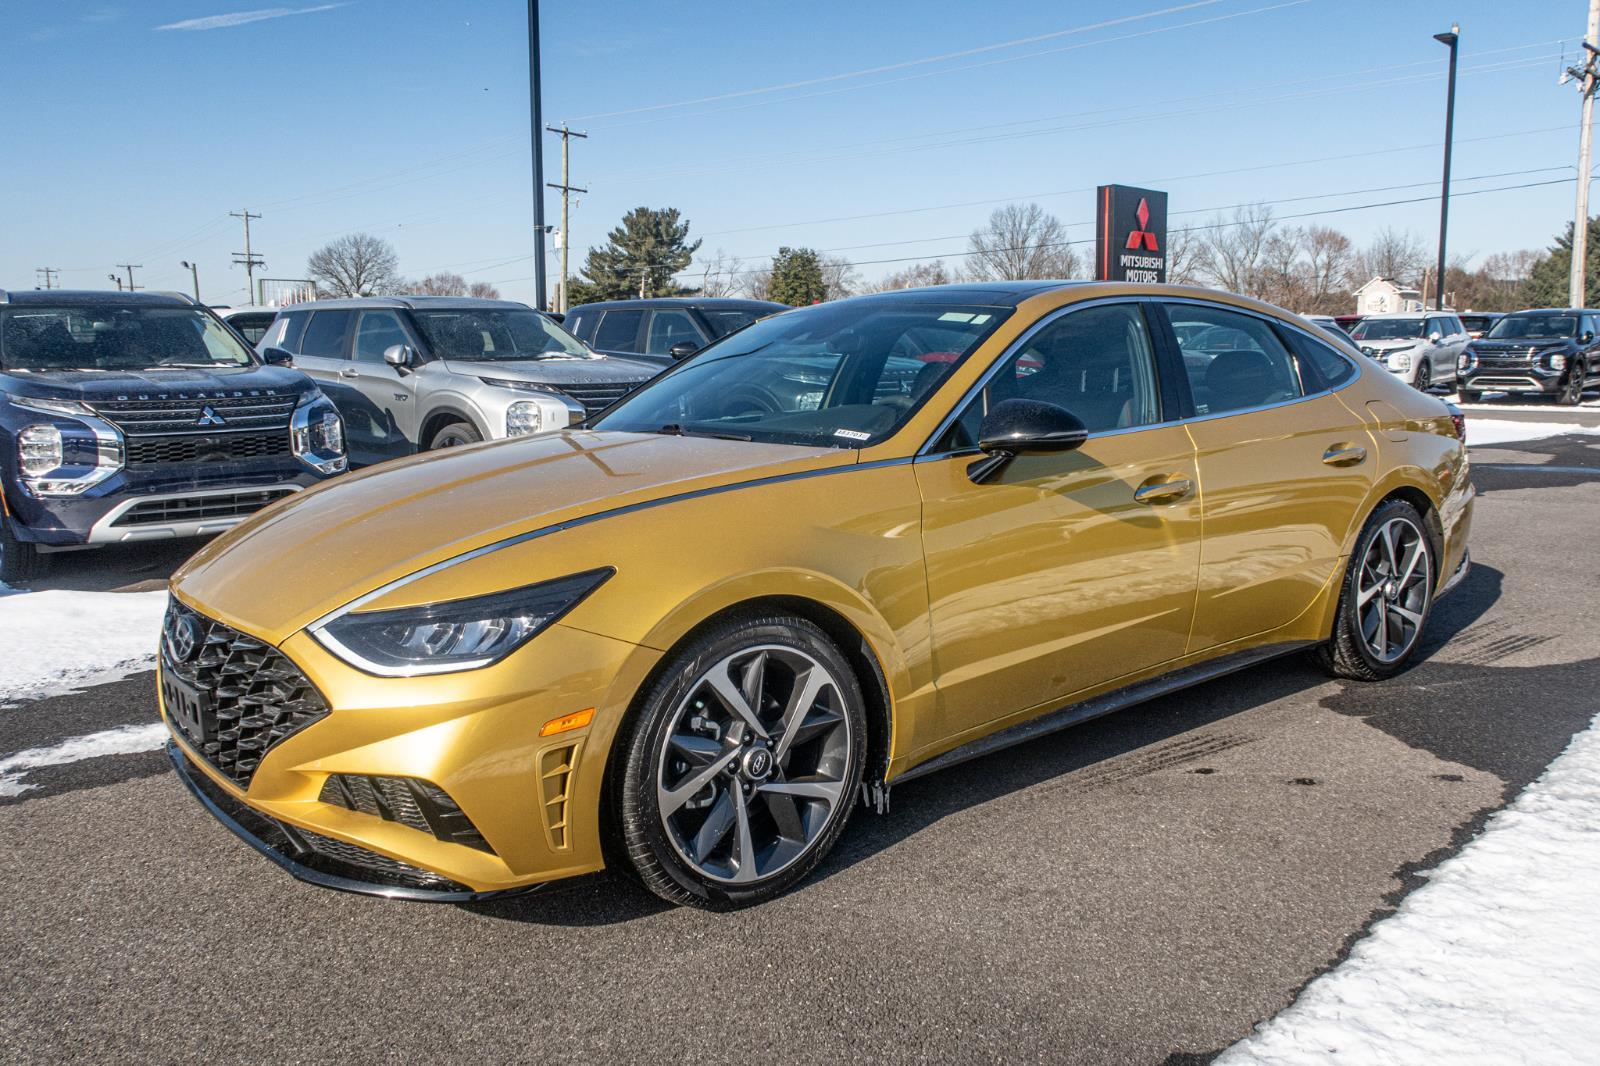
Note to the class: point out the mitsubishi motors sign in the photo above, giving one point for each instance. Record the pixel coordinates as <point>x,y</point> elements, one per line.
<point>1131,234</point>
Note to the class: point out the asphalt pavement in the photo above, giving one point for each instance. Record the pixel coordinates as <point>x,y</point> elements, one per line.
<point>1141,889</point>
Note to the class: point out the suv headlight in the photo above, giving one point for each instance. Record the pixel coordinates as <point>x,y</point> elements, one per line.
<point>1399,359</point>
<point>1468,360</point>
<point>440,638</point>
<point>39,450</point>
<point>524,417</point>
<point>1556,360</point>
<point>69,454</point>
<point>316,434</point>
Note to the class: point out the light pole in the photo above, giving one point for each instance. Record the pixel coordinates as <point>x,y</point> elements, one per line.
<point>113,277</point>
<point>194,272</point>
<point>536,127</point>
<point>1450,39</point>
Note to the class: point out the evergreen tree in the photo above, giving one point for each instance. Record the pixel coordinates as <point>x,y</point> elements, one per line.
<point>1549,283</point>
<point>797,277</point>
<point>650,246</point>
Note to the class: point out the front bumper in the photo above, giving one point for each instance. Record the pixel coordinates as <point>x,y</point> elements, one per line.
<point>1517,380</point>
<point>475,736</point>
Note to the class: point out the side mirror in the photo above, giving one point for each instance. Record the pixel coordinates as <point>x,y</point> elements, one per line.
<point>1587,338</point>
<point>1434,337</point>
<point>1023,427</point>
<point>277,357</point>
<point>398,356</point>
<point>683,349</point>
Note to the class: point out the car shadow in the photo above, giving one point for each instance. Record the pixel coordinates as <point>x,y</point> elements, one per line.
<point>1140,740</point>
<point>143,567</point>
<point>1548,463</point>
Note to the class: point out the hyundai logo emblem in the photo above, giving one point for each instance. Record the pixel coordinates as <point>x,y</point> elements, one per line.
<point>183,636</point>
<point>208,417</point>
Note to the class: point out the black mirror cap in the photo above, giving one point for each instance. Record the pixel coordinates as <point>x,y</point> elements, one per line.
<point>277,357</point>
<point>683,349</point>
<point>1018,427</point>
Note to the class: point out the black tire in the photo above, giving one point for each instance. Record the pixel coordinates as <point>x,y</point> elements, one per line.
<point>1470,395</point>
<point>1424,380</point>
<point>1571,393</point>
<point>454,436</point>
<point>1349,654</point>
<point>665,712</point>
<point>20,561</point>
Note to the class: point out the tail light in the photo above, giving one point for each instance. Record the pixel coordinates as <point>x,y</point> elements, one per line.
<point>1458,420</point>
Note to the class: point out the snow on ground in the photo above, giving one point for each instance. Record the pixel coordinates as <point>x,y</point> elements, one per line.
<point>1495,960</point>
<point>123,740</point>
<point>1484,432</point>
<point>54,642</point>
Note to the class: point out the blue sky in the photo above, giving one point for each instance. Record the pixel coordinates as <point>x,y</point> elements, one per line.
<point>132,129</point>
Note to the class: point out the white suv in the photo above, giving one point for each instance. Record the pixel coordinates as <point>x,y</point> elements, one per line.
<point>1419,347</point>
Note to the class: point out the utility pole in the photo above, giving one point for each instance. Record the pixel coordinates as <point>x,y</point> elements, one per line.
<point>194,273</point>
<point>567,189</point>
<point>1577,284</point>
<point>130,268</point>
<point>1451,39</point>
<point>246,258</point>
<point>48,275</point>
<point>536,120</point>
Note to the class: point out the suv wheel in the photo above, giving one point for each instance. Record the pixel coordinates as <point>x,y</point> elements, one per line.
<point>1571,394</point>
<point>1470,395</point>
<point>19,560</point>
<point>742,764</point>
<point>1424,380</point>
<point>1385,599</point>
<point>454,435</point>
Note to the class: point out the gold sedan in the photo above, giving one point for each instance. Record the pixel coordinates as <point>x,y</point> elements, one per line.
<point>846,546</point>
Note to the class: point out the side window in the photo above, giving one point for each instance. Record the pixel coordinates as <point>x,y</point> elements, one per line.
<point>1456,327</point>
<point>285,331</point>
<point>618,331</point>
<point>325,333</point>
<point>668,328</point>
<point>1319,363</point>
<point>378,330</point>
<point>1436,325</point>
<point>1096,362</point>
<point>1234,361</point>
<point>578,323</point>
<point>1591,326</point>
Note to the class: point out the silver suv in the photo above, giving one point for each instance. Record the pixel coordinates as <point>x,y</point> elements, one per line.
<point>414,373</point>
<point>1421,348</point>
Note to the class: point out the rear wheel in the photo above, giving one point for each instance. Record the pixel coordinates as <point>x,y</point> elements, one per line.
<point>1385,599</point>
<point>19,560</point>
<point>454,435</point>
<point>742,764</point>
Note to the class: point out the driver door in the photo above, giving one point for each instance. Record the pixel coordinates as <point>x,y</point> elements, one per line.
<point>390,392</point>
<point>1067,570</point>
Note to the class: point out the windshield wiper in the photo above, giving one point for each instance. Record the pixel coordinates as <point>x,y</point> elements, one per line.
<point>673,429</point>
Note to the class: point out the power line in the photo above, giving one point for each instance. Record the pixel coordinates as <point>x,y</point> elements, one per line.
<point>130,268</point>
<point>47,275</point>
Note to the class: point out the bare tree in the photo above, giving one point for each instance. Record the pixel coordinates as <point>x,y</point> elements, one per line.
<point>1391,254</point>
<point>1020,241</point>
<point>443,283</point>
<point>839,277</point>
<point>756,284</point>
<point>913,277</point>
<point>482,290</point>
<point>1183,253</point>
<point>1232,249</point>
<point>719,275</point>
<point>1328,260</point>
<point>357,264</point>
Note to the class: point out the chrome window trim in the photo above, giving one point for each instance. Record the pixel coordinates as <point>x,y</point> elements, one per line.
<point>926,452</point>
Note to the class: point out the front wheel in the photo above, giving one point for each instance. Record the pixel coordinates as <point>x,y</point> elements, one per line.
<point>1424,380</point>
<point>1571,394</point>
<point>1470,395</point>
<point>1385,599</point>
<point>454,436</point>
<point>19,560</point>
<point>742,764</point>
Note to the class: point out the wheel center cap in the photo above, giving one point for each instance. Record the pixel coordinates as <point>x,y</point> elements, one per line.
<point>1390,590</point>
<point>757,764</point>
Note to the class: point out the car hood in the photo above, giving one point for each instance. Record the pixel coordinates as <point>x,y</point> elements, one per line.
<point>1379,347</point>
<point>561,371</point>
<point>92,385</point>
<point>1526,344</point>
<point>314,553</point>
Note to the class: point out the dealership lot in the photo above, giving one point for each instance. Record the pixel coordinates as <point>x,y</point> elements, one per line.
<point>1141,889</point>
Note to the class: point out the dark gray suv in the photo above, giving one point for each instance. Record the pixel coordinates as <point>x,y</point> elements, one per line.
<point>414,373</point>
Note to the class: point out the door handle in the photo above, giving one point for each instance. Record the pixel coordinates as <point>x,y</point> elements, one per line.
<point>1344,455</point>
<point>349,372</point>
<point>1162,491</point>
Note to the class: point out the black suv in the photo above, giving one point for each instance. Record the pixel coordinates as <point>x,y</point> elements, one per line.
<point>1548,352</point>
<point>140,416</point>
<point>663,329</point>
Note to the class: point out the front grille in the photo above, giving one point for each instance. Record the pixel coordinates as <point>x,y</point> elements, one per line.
<point>217,448</point>
<point>596,396</point>
<point>199,508</point>
<point>422,805</point>
<point>232,697</point>
<point>320,853</point>
<point>181,412</point>
<point>1504,360</point>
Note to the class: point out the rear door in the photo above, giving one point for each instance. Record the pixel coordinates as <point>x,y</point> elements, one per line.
<point>1285,466</point>
<point>618,331</point>
<point>669,326</point>
<point>390,394</point>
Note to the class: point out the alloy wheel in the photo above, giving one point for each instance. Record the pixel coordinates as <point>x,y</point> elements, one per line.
<point>1392,589</point>
<point>753,766</point>
<point>1572,391</point>
<point>1425,374</point>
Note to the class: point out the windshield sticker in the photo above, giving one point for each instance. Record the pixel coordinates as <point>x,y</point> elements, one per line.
<point>852,434</point>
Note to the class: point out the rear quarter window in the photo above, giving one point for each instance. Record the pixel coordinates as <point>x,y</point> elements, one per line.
<point>1320,365</point>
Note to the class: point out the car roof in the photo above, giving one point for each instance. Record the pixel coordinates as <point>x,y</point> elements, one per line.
<point>732,303</point>
<point>234,312</point>
<point>432,303</point>
<point>1554,311</point>
<point>94,298</point>
<point>1407,314</point>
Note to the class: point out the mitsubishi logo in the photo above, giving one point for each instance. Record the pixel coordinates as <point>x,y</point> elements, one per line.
<point>1142,235</point>
<point>208,417</point>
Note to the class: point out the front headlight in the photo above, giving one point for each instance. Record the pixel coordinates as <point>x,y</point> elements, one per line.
<point>1556,360</point>
<point>69,455</point>
<point>524,417</point>
<point>520,386</point>
<point>1400,359</point>
<point>1468,360</point>
<point>440,638</point>
<point>39,450</point>
<point>316,434</point>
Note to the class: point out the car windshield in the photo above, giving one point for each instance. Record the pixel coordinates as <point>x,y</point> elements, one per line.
<point>1388,329</point>
<point>840,375</point>
<point>495,334</point>
<point>1523,327</point>
<point>115,337</point>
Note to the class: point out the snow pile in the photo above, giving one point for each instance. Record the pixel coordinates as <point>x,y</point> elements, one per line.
<point>1483,432</point>
<point>123,740</point>
<point>54,642</point>
<point>1495,960</point>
